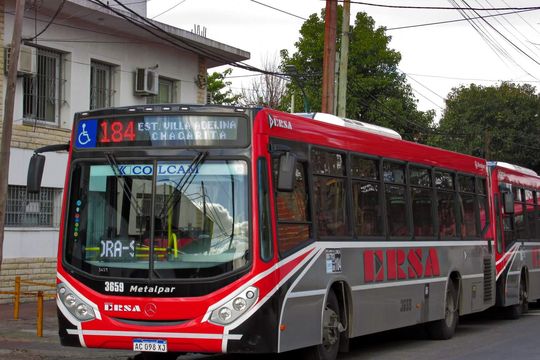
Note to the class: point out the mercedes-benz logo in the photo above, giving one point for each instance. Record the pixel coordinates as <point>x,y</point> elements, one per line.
<point>150,309</point>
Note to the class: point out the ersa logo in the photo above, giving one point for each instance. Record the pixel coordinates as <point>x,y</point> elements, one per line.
<point>400,264</point>
<point>274,122</point>
<point>121,307</point>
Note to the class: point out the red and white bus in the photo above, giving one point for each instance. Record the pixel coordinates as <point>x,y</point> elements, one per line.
<point>221,229</point>
<point>516,199</point>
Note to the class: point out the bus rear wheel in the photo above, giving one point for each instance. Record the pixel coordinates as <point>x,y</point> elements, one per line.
<point>445,328</point>
<point>331,330</point>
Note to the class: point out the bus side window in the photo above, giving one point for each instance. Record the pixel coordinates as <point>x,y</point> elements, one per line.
<point>519,214</point>
<point>482,204</point>
<point>293,219</point>
<point>397,213</point>
<point>422,201</point>
<point>467,204</point>
<point>537,213</point>
<point>329,192</point>
<point>530,217</point>
<point>367,207</point>
<point>446,204</point>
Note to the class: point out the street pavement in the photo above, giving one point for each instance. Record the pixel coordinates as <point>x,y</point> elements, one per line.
<point>19,341</point>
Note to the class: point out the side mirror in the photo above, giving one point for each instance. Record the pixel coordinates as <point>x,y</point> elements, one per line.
<point>35,173</point>
<point>508,202</point>
<point>286,172</point>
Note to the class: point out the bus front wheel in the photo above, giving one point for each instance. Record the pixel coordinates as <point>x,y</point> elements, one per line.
<point>331,331</point>
<point>445,328</point>
<point>514,312</point>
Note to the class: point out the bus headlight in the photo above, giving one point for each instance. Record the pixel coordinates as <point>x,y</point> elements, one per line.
<point>77,307</point>
<point>233,309</point>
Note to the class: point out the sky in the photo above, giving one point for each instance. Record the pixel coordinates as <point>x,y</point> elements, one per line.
<point>435,58</point>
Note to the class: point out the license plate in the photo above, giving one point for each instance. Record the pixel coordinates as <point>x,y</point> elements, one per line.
<point>149,345</point>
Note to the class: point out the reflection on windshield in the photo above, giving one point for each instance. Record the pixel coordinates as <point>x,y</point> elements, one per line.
<point>196,218</point>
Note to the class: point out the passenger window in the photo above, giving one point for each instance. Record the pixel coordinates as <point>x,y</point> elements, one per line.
<point>364,168</point>
<point>420,176</point>
<point>482,204</point>
<point>519,214</point>
<point>394,172</point>
<point>530,211</point>
<point>367,209</point>
<point>444,180</point>
<point>422,205</point>
<point>327,163</point>
<point>294,223</point>
<point>396,201</point>
<point>447,214</point>
<point>396,210</point>
<point>422,201</point>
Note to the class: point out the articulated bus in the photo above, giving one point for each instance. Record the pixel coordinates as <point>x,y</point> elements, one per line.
<point>228,230</point>
<point>516,194</point>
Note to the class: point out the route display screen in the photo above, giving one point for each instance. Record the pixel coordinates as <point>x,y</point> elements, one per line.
<point>162,131</point>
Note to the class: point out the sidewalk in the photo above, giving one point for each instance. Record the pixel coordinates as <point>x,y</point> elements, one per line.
<point>18,339</point>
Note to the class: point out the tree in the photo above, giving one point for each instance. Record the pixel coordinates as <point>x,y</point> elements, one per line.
<point>377,92</point>
<point>267,89</point>
<point>498,122</point>
<point>215,85</point>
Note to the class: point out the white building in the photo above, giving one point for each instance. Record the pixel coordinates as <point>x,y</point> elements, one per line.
<point>86,58</point>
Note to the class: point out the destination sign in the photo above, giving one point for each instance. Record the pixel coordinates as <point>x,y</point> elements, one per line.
<point>161,131</point>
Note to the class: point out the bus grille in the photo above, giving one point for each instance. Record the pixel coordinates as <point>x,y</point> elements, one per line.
<point>488,281</point>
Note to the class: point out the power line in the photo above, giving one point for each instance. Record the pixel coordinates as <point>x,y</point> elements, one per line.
<point>169,9</point>
<point>468,79</point>
<point>453,21</point>
<point>441,7</point>
<point>49,23</point>
<point>503,36</point>
<point>281,11</point>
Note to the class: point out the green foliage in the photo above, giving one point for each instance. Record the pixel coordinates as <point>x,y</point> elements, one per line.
<point>376,93</point>
<point>499,122</point>
<point>218,91</point>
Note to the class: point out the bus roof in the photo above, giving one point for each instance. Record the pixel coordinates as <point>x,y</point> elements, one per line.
<point>350,123</point>
<point>336,133</point>
<point>516,168</point>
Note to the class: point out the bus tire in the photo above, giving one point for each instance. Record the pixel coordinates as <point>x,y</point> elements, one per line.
<point>445,328</point>
<point>514,312</point>
<point>331,325</point>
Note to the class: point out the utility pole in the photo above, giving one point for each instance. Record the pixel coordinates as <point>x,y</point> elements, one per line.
<point>7,126</point>
<point>344,60</point>
<point>329,57</point>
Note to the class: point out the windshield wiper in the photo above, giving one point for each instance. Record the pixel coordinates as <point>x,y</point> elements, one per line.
<point>118,175</point>
<point>183,183</point>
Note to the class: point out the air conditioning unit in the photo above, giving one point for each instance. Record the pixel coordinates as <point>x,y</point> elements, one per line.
<point>146,82</point>
<point>27,60</point>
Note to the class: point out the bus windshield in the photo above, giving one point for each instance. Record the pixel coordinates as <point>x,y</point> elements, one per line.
<point>158,218</point>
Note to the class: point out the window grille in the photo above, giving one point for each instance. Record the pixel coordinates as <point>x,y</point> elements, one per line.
<point>101,89</point>
<point>41,98</point>
<point>33,210</point>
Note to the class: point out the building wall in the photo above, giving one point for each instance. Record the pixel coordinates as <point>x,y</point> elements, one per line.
<point>31,252</point>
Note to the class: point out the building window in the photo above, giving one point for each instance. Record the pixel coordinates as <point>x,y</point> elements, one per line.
<point>41,100</point>
<point>33,210</point>
<point>166,93</point>
<point>101,89</point>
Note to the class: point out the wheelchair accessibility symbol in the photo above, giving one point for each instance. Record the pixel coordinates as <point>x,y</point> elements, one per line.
<point>86,134</point>
<point>84,138</point>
